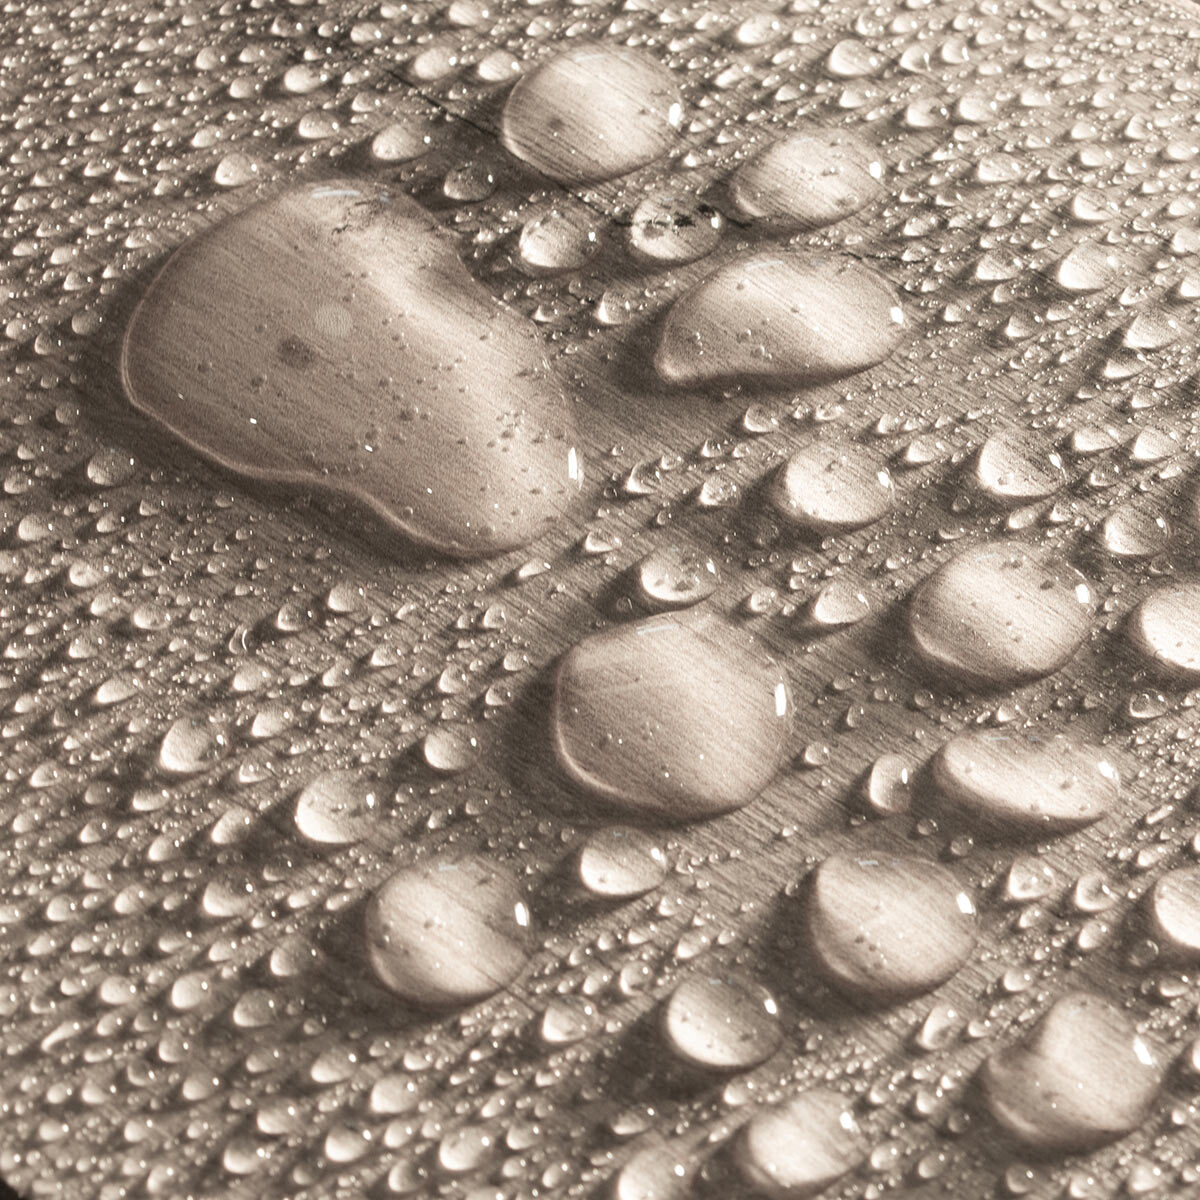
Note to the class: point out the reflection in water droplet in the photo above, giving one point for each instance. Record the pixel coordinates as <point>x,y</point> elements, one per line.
<point>997,614</point>
<point>1024,783</point>
<point>1082,1077</point>
<point>448,931</point>
<point>785,318</point>
<point>411,391</point>
<point>831,487</point>
<point>883,928</point>
<point>618,863</point>
<point>807,180</point>
<point>592,112</point>
<point>720,1024</point>
<point>1165,629</point>
<point>669,718</point>
<point>800,1147</point>
<point>337,808</point>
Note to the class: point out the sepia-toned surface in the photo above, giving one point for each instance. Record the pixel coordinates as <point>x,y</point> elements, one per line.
<point>233,711</point>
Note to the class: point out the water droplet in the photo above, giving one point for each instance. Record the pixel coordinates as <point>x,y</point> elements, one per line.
<point>1009,468</point>
<point>671,718</point>
<point>1082,1077</point>
<point>830,487</point>
<point>784,318</point>
<point>1165,629</point>
<point>999,614</point>
<point>1024,783</point>
<point>448,931</point>
<point>1173,910</point>
<point>675,577</point>
<point>592,112</point>
<point>667,227</point>
<point>619,863</point>
<point>719,1024</point>
<point>449,430</point>
<point>800,1147</point>
<point>807,180</point>
<point>884,928</point>
<point>337,808</point>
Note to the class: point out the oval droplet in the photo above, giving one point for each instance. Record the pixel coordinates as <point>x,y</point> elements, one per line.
<point>1022,783</point>
<point>1081,1078</point>
<point>783,318</point>
<point>675,577</point>
<point>997,615</point>
<point>885,928</point>
<point>592,112</point>
<point>1165,628</point>
<point>717,1024</point>
<point>331,338</point>
<point>830,487</point>
<point>448,931</point>
<point>669,718</point>
<point>807,180</point>
<point>1173,911</point>
<point>337,808</point>
<point>619,863</point>
<point>800,1147</point>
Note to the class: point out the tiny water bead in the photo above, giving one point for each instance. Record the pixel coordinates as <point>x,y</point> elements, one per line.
<point>1023,783</point>
<point>1080,1078</point>
<point>829,487</point>
<point>330,337</point>
<point>592,112</point>
<point>670,717</point>
<point>883,928</point>
<point>1165,630</point>
<point>448,931</point>
<point>337,808</point>
<point>999,614</point>
<point>619,863</point>
<point>784,319</point>
<point>799,1147</point>
<point>721,1024</point>
<point>807,180</point>
<point>1173,911</point>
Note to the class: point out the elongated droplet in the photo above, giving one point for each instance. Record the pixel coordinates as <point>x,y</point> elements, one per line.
<point>592,112</point>
<point>884,928</point>
<point>832,487</point>
<point>671,718</point>
<point>448,931</point>
<point>997,615</point>
<point>1024,784</point>
<point>807,180</point>
<point>331,338</point>
<point>1165,628</point>
<point>782,318</point>
<point>721,1024</point>
<point>800,1147</point>
<point>1082,1077</point>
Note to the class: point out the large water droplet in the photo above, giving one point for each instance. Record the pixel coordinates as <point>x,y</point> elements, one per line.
<point>782,318</point>
<point>830,487</point>
<point>1082,1077</point>
<point>337,808</point>
<point>1173,911</point>
<point>330,337</point>
<point>448,931</point>
<point>807,180</point>
<point>1165,628</point>
<point>1023,783</point>
<point>997,614</point>
<point>883,928</point>
<point>721,1024</point>
<point>592,112</point>
<point>617,863</point>
<point>670,718</point>
<point>800,1147</point>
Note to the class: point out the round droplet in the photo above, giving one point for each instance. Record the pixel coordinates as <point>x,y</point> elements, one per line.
<point>832,487</point>
<point>1173,911</point>
<point>619,863</point>
<point>675,577</point>
<point>331,338</point>
<point>337,808</point>
<point>1013,470</point>
<point>718,1024</point>
<point>1082,1077</point>
<point>448,931</point>
<point>807,180</point>
<point>1022,783</point>
<point>883,928</point>
<point>782,318</point>
<point>672,719</point>
<point>997,615</point>
<point>1165,629</point>
<point>559,237</point>
<point>1087,268</point>
<point>671,228</point>
<point>592,112</point>
<point>800,1147</point>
